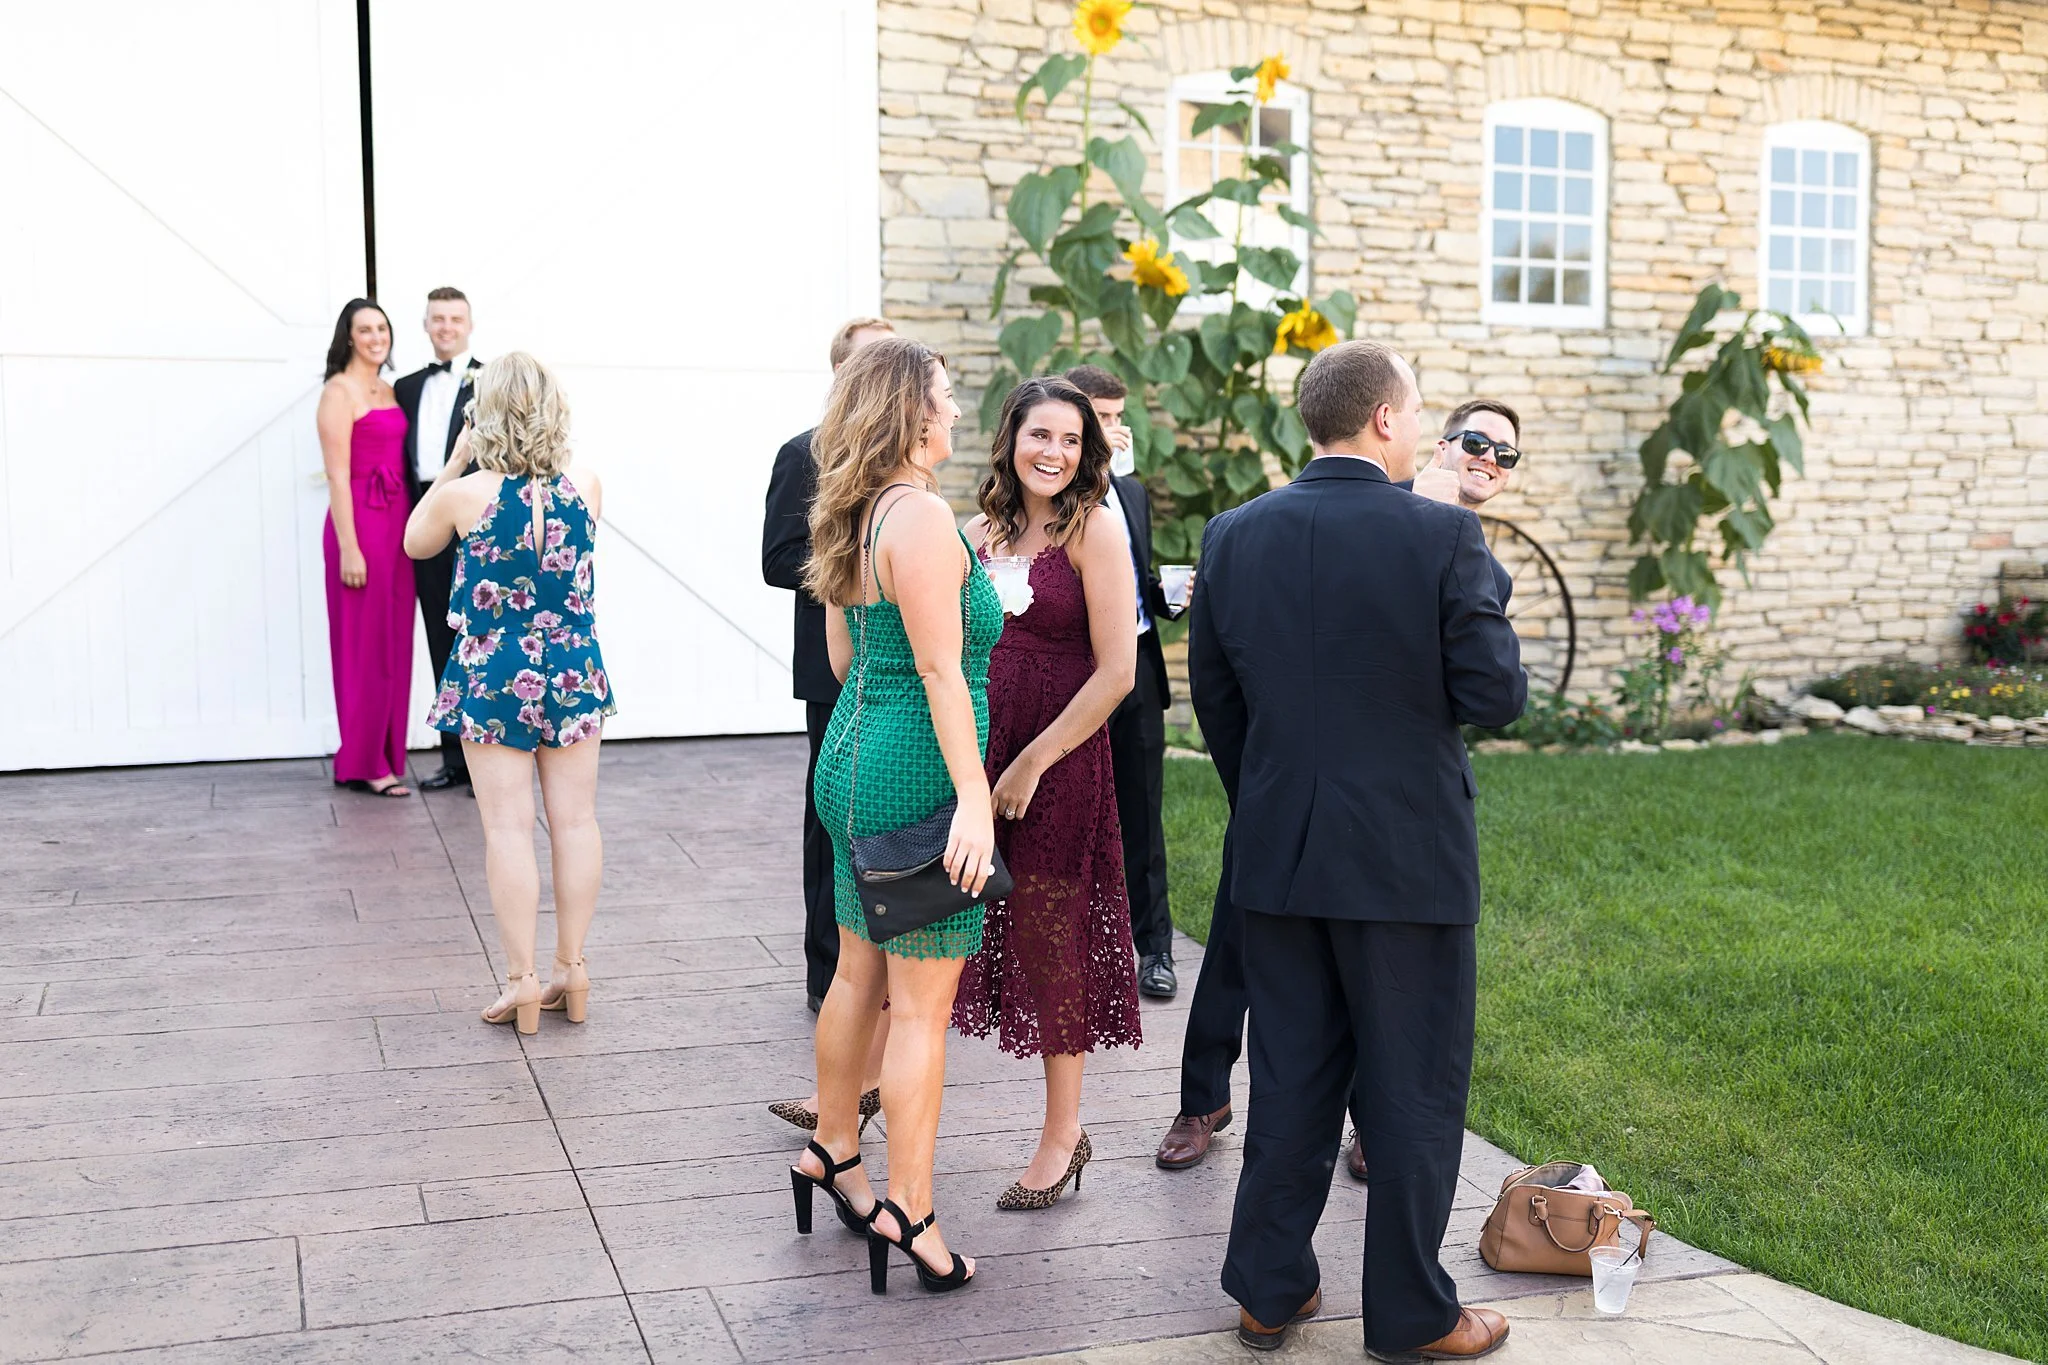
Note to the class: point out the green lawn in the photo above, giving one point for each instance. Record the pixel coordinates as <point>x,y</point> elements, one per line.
<point>1792,999</point>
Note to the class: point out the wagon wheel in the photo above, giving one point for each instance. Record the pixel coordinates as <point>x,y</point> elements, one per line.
<point>1540,608</point>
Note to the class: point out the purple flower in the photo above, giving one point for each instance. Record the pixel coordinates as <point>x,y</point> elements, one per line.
<point>1675,655</point>
<point>528,685</point>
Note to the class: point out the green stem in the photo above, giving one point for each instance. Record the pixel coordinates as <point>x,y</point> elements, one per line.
<point>1087,166</point>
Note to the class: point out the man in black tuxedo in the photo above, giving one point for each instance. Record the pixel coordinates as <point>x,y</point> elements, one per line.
<point>1343,630</point>
<point>1137,728</point>
<point>432,399</point>
<point>785,547</point>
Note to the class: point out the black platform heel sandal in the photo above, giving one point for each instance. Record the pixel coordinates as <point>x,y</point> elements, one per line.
<point>879,1243</point>
<point>802,1182</point>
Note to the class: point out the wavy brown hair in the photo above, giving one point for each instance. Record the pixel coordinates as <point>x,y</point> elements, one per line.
<point>1002,496</point>
<point>875,419</point>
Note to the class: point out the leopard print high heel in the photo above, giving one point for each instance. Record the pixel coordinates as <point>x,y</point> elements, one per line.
<point>796,1115</point>
<point>1018,1199</point>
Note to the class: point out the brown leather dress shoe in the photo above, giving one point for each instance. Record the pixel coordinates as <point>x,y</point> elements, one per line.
<point>1354,1158</point>
<point>1260,1337</point>
<point>1480,1332</point>
<point>1187,1142</point>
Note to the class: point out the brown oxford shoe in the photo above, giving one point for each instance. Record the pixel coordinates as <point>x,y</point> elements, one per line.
<point>1260,1337</point>
<point>1480,1332</point>
<point>1187,1142</point>
<point>1354,1158</point>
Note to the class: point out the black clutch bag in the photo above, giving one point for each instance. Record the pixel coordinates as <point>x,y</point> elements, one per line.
<point>901,879</point>
<point>900,874</point>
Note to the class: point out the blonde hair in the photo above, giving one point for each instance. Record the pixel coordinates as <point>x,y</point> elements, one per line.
<point>875,419</point>
<point>521,425</point>
<point>842,340</point>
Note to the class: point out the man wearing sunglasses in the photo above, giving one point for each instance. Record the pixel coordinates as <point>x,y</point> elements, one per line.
<point>1477,450</point>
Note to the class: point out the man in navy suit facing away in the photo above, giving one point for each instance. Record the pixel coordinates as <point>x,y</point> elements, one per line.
<point>1343,629</point>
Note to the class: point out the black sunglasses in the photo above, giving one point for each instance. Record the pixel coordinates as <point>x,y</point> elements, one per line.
<point>1473,443</point>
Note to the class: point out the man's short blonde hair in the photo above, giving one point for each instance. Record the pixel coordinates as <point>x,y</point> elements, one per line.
<point>842,340</point>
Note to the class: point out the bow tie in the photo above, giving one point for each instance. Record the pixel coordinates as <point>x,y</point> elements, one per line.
<point>440,367</point>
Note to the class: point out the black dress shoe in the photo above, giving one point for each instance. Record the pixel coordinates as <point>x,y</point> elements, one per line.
<point>446,778</point>
<point>1155,976</point>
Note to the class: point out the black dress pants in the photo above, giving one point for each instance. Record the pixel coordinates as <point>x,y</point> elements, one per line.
<point>1215,1033</point>
<point>821,929</point>
<point>1385,1011</point>
<point>1137,753</point>
<point>433,580</point>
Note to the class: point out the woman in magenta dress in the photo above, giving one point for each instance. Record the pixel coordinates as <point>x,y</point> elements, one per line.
<point>1056,976</point>
<point>369,579</point>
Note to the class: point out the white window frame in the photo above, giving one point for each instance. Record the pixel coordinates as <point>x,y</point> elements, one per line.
<point>1815,135</point>
<point>1561,117</point>
<point>1216,87</point>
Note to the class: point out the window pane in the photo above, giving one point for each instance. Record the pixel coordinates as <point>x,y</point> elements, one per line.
<point>1578,151</point>
<point>1781,252</point>
<point>1507,284</point>
<point>1578,195</point>
<point>1845,169</point>
<point>1781,208</point>
<point>1813,168</point>
<point>1507,190</point>
<point>1507,146</point>
<point>1578,288</point>
<point>1784,165</point>
<point>1194,170</point>
<point>1543,194</point>
<point>1578,242</point>
<point>1188,110</point>
<point>1810,251</point>
<point>1844,301</point>
<point>1542,146</point>
<point>1813,295</point>
<point>1275,126</point>
<point>1781,294</point>
<point>1542,240</point>
<point>1507,237</point>
<point>1841,256</point>
<point>1813,210</point>
<point>1542,286</point>
<point>1845,212</point>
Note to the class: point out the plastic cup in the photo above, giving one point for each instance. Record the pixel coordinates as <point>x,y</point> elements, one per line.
<point>1614,1275</point>
<point>1011,575</point>
<point>1175,580</point>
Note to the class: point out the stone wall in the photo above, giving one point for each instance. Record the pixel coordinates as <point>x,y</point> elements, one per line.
<point>1927,465</point>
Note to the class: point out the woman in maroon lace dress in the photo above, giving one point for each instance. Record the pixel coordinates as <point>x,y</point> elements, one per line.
<point>1056,976</point>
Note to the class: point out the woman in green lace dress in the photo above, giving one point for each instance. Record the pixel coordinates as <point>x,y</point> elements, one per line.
<point>919,618</point>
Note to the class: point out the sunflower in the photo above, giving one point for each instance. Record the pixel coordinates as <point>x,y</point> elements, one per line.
<point>1305,328</point>
<point>1787,361</point>
<point>1271,72</point>
<point>1154,269</point>
<point>1099,24</point>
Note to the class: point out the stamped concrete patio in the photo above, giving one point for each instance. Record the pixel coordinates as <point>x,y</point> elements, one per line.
<point>247,1113</point>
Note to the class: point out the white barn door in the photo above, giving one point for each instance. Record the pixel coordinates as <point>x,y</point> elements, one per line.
<point>674,206</point>
<point>179,224</point>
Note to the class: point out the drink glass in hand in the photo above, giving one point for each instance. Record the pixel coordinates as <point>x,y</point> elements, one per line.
<point>1011,575</point>
<point>1177,583</point>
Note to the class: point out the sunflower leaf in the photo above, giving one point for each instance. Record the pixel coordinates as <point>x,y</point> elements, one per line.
<point>1053,76</point>
<point>1224,115</point>
<point>999,385</point>
<point>1341,309</point>
<point>1002,288</point>
<point>1299,219</point>
<point>1273,265</point>
<point>1194,225</point>
<point>1025,340</point>
<point>1040,201</point>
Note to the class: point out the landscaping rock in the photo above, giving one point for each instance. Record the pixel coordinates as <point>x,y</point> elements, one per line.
<point>1770,736</point>
<point>1864,719</point>
<point>1734,738</point>
<point>2001,723</point>
<point>1636,746</point>
<point>1816,710</point>
<point>1902,715</point>
<point>1501,746</point>
<point>1555,749</point>
<point>1792,731</point>
<point>1682,746</point>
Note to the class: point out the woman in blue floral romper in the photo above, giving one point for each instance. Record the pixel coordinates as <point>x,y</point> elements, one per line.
<point>525,687</point>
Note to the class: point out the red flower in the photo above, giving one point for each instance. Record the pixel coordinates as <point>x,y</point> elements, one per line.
<point>1978,631</point>
<point>2005,618</point>
<point>1983,610</point>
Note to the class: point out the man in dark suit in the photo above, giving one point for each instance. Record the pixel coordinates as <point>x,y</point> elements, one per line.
<point>785,547</point>
<point>1137,728</point>
<point>432,399</point>
<point>1343,630</point>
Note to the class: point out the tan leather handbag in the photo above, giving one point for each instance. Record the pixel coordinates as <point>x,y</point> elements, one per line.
<point>1540,1225</point>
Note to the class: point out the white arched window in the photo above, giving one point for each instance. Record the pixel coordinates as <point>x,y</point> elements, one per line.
<point>1814,258</point>
<point>1196,161</point>
<point>1543,230</point>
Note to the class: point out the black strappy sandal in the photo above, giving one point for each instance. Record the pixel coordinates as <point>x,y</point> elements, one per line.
<point>362,784</point>
<point>802,1182</point>
<point>879,1243</point>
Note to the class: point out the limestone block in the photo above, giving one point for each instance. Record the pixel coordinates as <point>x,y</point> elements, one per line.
<point>1815,710</point>
<point>948,196</point>
<point>1867,720</point>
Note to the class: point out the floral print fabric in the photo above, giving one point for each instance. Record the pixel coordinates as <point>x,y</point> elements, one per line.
<point>526,669</point>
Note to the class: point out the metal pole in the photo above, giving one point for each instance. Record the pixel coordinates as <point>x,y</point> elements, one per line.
<point>369,163</point>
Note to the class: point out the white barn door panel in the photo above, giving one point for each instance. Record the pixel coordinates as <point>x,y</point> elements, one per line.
<point>676,219</point>
<point>179,224</point>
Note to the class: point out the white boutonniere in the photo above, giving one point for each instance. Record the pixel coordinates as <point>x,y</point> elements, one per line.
<point>468,378</point>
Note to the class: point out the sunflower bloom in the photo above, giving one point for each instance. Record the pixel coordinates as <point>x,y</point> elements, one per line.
<point>1271,72</point>
<point>1154,269</point>
<point>1099,24</point>
<point>1787,361</point>
<point>1305,328</point>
